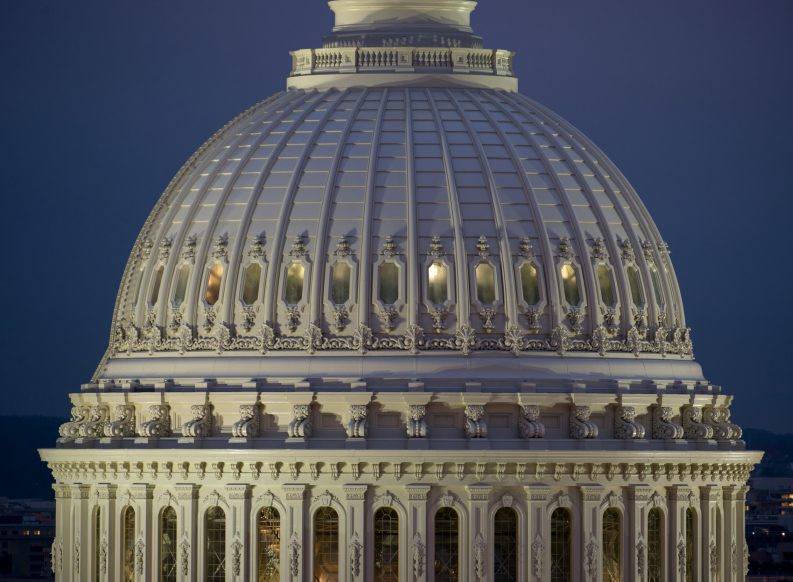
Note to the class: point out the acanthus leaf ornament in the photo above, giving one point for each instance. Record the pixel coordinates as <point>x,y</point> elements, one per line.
<point>418,556</point>
<point>294,556</point>
<point>356,556</point>
<point>479,552</point>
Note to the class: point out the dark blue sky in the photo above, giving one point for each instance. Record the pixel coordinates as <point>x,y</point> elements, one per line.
<point>101,102</point>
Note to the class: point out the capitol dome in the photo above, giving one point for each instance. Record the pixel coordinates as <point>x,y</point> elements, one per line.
<point>400,287</point>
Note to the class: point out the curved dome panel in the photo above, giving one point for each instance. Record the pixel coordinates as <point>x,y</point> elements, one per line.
<point>407,219</point>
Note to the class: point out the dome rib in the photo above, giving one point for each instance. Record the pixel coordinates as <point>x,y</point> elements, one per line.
<point>505,253</point>
<point>271,289</point>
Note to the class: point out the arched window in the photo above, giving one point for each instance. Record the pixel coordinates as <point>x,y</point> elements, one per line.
<point>326,545</point>
<point>215,544</point>
<point>505,545</point>
<point>612,534</point>
<point>691,544</point>
<point>655,545</point>
<point>268,533</point>
<point>214,280</point>
<point>128,544</point>
<point>570,285</point>
<point>168,545</point>
<point>560,545</point>
<point>386,545</point>
<point>447,545</point>
<point>97,542</point>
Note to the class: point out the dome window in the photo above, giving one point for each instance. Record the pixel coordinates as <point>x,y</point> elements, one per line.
<point>251,283</point>
<point>635,285</point>
<point>214,280</point>
<point>657,288</point>
<point>530,284</point>
<point>485,283</point>
<point>388,276</point>
<point>181,286</point>
<point>295,279</point>
<point>340,283</point>
<point>606,285</point>
<point>155,288</point>
<point>570,284</point>
<point>438,283</point>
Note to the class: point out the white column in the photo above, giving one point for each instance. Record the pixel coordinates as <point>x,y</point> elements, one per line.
<point>590,542</point>
<point>187,531</point>
<point>709,499</point>
<point>106,499</point>
<point>538,531</point>
<point>295,537</point>
<point>636,531</point>
<point>678,502</point>
<point>479,529</point>
<point>740,532</point>
<point>355,498</point>
<point>143,494</point>
<point>80,548</point>
<point>417,532</point>
<point>63,538</point>
<point>239,495</point>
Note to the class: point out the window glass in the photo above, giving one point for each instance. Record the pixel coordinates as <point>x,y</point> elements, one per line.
<point>612,532</point>
<point>505,545</point>
<point>268,527</point>
<point>570,284</point>
<point>485,283</point>
<point>155,288</point>
<point>128,545</point>
<point>389,282</point>
<point>447,545</point>
<point>635,285</point>
<point>560,545</point>
<point>655,545</point>
<point>295,276</point>
<point>529,282</point>
<point>215,545</point>
<point>386,545</point>
<point>181,285</point>
<point>213,284</point>
<point>606,288</point>
<point>691,545</point>
<point>657,289</point>
<point>340,283</point>
<point>250,286</point>
<point>97,538</point>
<point>168,545</point>
<point>438,291</point>
<point>326,545</point>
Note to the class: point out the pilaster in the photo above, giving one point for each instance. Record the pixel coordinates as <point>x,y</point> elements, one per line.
<point>293,536</point>
<point>480,556</point>
<point>354,502</point>
<point>187,531</point>
<point>590,543</point>
<point>80,548</point>
<point>106,501</point>
<point>538,531</point>
<point>63,538</point>
<point>143,494</point>
<point>711,564</point>
<point>238,540</point>
<point>635,518</point>
<point>417,531</point>
<point>676,542</point>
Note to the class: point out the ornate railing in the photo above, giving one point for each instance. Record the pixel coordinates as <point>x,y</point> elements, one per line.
<point>401,59</point>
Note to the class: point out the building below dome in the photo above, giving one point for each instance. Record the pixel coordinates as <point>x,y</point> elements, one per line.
<point>400,323</point>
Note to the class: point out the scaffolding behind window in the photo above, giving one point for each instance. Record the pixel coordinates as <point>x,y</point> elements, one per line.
<point>612,534</point>
<point>560,545</point>
<point>128,545</point>
<point>326,545</point>
<point>505,545</point>
<point>268,528</point>
<point>168,545</point>
<point>447,545</point>
<point>97,542</point>
<point>691,545</point>
<point>386,545</point>
<point>215,545</point>
<point>655,545</point>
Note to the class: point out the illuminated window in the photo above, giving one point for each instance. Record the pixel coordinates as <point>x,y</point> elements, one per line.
<point>386,545</point>
<point>213,284</point>
<point>295,276</point>
<point>655,545</point>
<point>447,545</point>
<point>606,288</point>
<point>691,544</point>
<point>612,532</point>
<point>530,284</point>
<point>326,545</point>
<point>215,545</point>
<point>268,526</point>
<point>181,285</point>
<point>389,282</point>
<point>657,289</point>
<point>155,288</point>
<point>128,545</point>
<point>168,545</point>
<point>570,284</point>
<point>485,283</point>
<point>340,283</point>
<point>560,545</point>
<point>438,292</point>
<point>505,545</point>
<point>635,285</point>
<point>97,537</point>
<point>250,285</point>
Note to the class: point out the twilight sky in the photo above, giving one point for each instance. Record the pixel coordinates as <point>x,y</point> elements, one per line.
<point>101,103</point>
